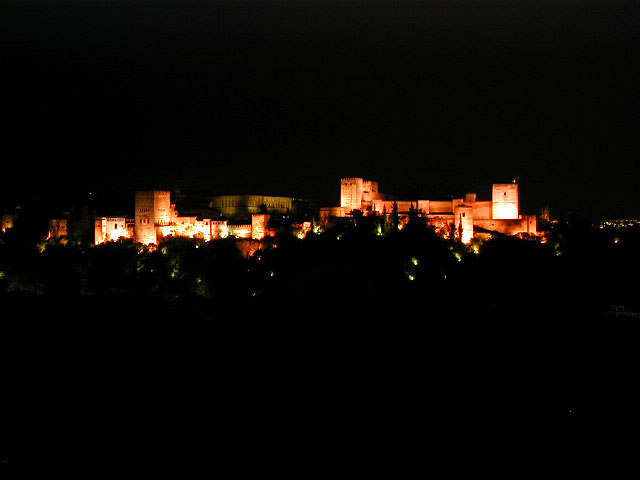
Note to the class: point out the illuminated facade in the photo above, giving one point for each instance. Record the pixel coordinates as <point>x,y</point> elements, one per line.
<point>463,216</point>
<point>58,227</point>
<point>153,212</point>
<point>356,193</point>
<point>113,228</point>
<point>157,218</point>
<point>505,201</point>
<point>232,205</point>
<point>259,226</point>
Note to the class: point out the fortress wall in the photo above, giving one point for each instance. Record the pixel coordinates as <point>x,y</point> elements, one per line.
<point>240,231</point>
<point>439,207</point>
<point>404,206</point>
<point>527,224</point>
<point>381,206</point>
<point>482,210</point>
<point>108,229</point>
<point>424,206</point>
<point>442,221</point>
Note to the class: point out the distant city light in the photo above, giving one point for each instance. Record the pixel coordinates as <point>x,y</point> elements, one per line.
<point>620,223</point>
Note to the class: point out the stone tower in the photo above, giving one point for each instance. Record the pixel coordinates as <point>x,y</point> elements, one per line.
<point>351,193</point>
<point>153,211</point>
<point>463,222</point>
<point>506,201</point>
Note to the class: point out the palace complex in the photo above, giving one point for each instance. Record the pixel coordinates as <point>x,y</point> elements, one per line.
<point>248,216</point>
<point>464,216</point>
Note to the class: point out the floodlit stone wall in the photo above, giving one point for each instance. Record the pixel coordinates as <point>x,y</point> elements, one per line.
<point>109,229</point>
<point>240,231</point>
<point>481,210</point>
<point>440,206</point>
<point>527,224</point>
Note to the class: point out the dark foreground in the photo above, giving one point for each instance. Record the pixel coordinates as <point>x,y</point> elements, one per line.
<point>394,350</point>
<point>137,381</point>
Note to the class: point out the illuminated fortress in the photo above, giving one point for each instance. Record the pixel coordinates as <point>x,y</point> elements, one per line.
<point>156,218</point>
<point>462,216</point>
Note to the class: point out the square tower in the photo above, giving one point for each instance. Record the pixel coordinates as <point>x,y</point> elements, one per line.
<point>463,223</point>
<point>351,193</point>
<point>259,225</point>
<point>153,211</point>
<point>370,191</point>
<point>506,201</point>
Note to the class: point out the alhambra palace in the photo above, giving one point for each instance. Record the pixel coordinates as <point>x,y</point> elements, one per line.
<point>156,218</point>
<point>465,215</point>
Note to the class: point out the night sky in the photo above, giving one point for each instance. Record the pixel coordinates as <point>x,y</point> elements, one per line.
<point>287,97</point>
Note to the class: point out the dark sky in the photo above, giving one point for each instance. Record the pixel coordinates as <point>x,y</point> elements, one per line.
<point>287,97</point>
